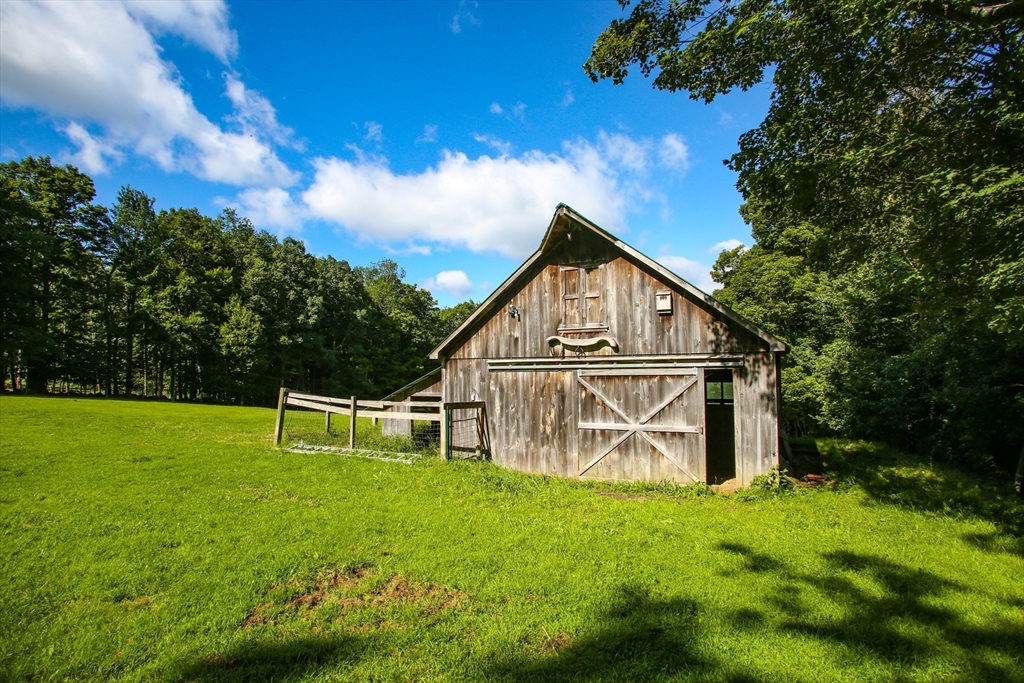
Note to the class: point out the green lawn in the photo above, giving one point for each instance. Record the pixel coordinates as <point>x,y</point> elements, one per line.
<point>159,541</point>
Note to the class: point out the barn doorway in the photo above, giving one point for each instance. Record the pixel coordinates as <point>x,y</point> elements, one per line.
<point>721,431</point>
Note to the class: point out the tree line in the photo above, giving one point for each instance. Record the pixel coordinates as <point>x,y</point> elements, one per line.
<point>885,193</point>
<point>129,301</point>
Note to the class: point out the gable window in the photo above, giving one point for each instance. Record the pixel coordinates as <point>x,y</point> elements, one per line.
<point>581,299</point>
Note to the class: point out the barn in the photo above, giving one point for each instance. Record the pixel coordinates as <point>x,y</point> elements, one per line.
<point>593,361</point>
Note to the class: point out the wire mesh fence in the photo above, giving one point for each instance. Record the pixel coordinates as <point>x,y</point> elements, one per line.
<point>467,433</point>
<point>459,429</point>
<point>310,428</point>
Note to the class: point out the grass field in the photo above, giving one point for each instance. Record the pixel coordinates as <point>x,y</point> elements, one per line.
<point>146,541</point>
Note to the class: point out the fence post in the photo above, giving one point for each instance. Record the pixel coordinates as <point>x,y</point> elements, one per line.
<point>282,397</point>
<point>479,432</point>
<point>445,428</point>
<point>352,423</point>
<point>327,422</point>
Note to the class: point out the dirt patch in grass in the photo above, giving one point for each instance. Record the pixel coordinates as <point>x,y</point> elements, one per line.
<point>620,496</point>
<point>354,592</point>
<point>554,643</point>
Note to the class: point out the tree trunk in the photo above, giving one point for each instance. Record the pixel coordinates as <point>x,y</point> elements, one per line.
<point>115,375</point>
<point>1019,479</point>
<point>38,362</point>
<point>145,365</point>
<point>129,373</point>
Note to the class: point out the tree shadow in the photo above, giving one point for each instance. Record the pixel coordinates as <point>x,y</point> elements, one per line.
<point>882,610</point>
<point>996,543</point>
<point>276,660</point>
<point>907,482</point>
<point>752,561</point>
<point>642,638</point>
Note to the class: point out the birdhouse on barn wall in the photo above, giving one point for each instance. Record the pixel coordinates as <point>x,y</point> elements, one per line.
<point>663,303</point>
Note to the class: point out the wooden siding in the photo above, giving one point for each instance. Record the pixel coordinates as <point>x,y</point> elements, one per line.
<point>534,415</point>
<point>756,416</point>
<point>626,305</point>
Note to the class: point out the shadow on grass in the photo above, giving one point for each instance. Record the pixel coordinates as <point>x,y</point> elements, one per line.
<point>883,611</point>
<point>642,638</point>
<point>867,615</point>
<point>276,660</point>
<point>898,479</point>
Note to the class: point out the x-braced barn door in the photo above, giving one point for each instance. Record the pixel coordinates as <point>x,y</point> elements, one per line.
<point>641,425</point>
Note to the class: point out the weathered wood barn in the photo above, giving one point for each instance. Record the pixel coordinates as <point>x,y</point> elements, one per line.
<point>594,361</point>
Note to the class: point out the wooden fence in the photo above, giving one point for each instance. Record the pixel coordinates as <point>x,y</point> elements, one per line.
<point>385,410</point>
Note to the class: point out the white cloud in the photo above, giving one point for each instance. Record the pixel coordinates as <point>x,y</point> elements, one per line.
<point>464,13</point>
<point>270,208</point>
<point>498,144</point>
<point>485,204</point>
<point>728,244</point>
<point>694,272</point>
<point>624,150</point>
<point>92,153</point>
<point>516,111</point>
<point>640,155</point>
<point>374,131</point>
<point>203,23</point>
<point>255,114</point>
<point>429,133</point>
<point>568,99</point>
<point>674,153</point>
<point>99,62</point>
<point>409,248</point>
<point>455,282</point>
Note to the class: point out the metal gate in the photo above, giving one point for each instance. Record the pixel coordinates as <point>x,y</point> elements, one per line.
<point>641,425</point>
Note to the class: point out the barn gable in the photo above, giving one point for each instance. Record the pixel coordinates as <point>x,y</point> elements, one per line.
<point>573,241</point>
<point>594,361</point>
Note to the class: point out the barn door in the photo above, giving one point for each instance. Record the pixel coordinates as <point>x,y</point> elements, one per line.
<point>641,426</point>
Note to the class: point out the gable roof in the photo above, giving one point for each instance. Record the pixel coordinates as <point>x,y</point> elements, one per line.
<point>415,386</point>
<point>563,223</point>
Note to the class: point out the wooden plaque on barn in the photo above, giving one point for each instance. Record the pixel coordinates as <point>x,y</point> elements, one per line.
<point>595,361</point>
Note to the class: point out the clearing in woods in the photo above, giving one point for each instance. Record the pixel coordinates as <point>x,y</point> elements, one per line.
<point>159,541</point>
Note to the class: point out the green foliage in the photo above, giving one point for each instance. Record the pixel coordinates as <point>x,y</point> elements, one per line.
<point>775,483</point>
<point>885,193</point>
<point>185,306</point>
<point>54,238</point>
<point>146,541</point>
<point>910,482</point>
<point>409,315</point>
<point>449,319</point>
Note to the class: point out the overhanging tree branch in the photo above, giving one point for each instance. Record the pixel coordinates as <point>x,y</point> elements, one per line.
<point>974,14</point>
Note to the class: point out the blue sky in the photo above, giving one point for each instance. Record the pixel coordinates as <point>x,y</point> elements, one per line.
<point>440,134</point>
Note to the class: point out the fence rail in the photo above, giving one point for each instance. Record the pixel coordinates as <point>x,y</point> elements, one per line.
<point>383,410</point>
<point>452,416</point>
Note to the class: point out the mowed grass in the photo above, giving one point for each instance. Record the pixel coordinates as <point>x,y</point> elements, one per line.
<point>146,541</point>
